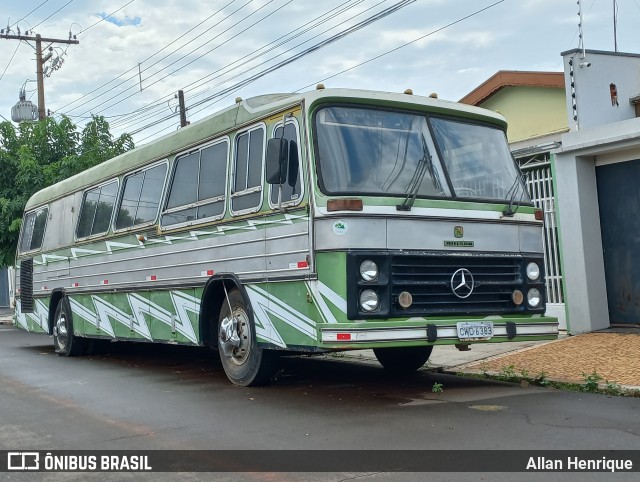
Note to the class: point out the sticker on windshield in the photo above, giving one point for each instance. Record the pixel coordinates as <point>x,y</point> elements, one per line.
<point>340,227</point>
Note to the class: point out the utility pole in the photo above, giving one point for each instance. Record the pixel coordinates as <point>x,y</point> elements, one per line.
<point>183,110</point>
<point>40,61</point>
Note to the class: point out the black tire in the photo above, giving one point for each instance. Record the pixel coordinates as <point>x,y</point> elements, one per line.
<point>244,363</point>
<point>64,340</point>
<point>404,359</point>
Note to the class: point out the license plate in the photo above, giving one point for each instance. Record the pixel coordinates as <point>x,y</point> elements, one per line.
<point>475,330</point>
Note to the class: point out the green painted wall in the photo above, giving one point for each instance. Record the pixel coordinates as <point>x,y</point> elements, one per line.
<point>530,111</point>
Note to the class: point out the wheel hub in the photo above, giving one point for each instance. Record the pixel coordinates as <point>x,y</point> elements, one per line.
<point>229,339</point>
<point>61,333</point>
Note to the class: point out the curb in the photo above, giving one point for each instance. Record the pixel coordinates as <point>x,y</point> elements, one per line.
<point>492,375</point>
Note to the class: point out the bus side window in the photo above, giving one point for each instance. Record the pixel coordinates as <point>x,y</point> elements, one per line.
<point>96,210</point>
<point>198,187</point>
<point>33,230</point>
<point>246,191</point>
<point>290,194</point>
<point>141,197</point>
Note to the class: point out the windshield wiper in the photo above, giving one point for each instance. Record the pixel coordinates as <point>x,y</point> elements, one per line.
<point>513,190</point>
<point>424,164</point>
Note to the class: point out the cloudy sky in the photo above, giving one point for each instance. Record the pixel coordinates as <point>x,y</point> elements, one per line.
<point>134,55</point>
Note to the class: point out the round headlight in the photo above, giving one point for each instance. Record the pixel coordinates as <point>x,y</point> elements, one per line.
<point>369,300</point>
<point>533,271</point>
<point>533,298</point>
<point>368,270</point>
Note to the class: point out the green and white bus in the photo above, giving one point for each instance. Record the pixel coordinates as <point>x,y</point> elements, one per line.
<point>294,223</point>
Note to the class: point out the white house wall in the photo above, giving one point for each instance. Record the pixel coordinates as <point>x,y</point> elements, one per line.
<point>586,292</point>
<point>591,79</point>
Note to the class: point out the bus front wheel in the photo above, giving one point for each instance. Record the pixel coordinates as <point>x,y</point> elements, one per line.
<point>64,341</point>
<point>244,363</point>
<point>403,359</point>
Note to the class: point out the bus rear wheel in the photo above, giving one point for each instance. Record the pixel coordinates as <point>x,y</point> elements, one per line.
<point>404,359</point>
<point>244,363</point>
<point>65,342</point>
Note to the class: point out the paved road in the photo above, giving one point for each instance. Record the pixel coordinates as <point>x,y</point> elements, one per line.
<point>130,396</point>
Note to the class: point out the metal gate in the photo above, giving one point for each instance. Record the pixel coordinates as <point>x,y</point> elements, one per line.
<point>4,288</point>
<point>537,169</point>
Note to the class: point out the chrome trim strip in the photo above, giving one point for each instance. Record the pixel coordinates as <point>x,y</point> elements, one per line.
<point>191,250</point>
<point>192,263</point>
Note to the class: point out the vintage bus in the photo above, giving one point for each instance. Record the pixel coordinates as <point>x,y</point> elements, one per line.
<point>294,223</point>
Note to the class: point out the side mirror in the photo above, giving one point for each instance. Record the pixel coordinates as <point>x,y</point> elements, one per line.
<point>277,160</point>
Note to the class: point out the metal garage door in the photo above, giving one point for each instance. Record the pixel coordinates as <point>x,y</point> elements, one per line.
<point>619,200</point>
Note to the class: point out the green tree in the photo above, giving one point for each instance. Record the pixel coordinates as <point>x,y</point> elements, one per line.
<point>36,155</point>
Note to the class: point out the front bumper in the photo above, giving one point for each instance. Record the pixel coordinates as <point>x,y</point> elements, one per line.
<point>432,332</point>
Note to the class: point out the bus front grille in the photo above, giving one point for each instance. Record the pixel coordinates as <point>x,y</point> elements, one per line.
<point>430,280</point>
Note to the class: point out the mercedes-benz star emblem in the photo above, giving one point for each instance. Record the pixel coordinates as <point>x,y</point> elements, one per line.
<point>462,283</point>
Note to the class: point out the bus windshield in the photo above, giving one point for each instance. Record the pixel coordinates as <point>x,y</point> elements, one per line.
<point>379,152</point>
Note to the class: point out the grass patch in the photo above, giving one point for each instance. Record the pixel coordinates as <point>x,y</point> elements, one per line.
<point>591,381</point>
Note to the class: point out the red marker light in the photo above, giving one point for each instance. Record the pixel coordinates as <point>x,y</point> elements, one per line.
<point>303,264</point>
<point>343,336</point>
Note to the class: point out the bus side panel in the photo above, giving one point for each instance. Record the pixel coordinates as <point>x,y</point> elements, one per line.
<point>36,322</point>
<point>284,314</point>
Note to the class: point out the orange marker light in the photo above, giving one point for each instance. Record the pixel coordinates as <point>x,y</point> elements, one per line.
<point>350,204</point>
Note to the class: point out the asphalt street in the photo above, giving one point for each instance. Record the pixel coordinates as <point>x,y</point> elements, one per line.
<point>140,396</point>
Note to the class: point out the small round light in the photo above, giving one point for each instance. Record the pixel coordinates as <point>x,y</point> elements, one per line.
<point>533,298</point>
<point>369,300</point>
<point>517,297</point>
<point>369,270</point>
<point>533,271</point>
<point>405,299</point>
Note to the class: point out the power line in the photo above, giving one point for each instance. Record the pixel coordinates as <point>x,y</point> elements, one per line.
<point>228,91</point>
<point>37,25</point>
<point>197,58</point>
<point>315,47</point>
<point>213,76</point>
<point>45,1</point>
<point>159,104</point>
<point>338,36</point>
<point>10,60</point>
<point>329,15</point>
<point>148,58</point>
<point>404,45</point>
<point>135,76</point>
<point>255,77</point>
<point>103,18</point>
<point>138,120</point>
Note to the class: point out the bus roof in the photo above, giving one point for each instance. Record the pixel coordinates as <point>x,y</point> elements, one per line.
<point>242,113</point>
